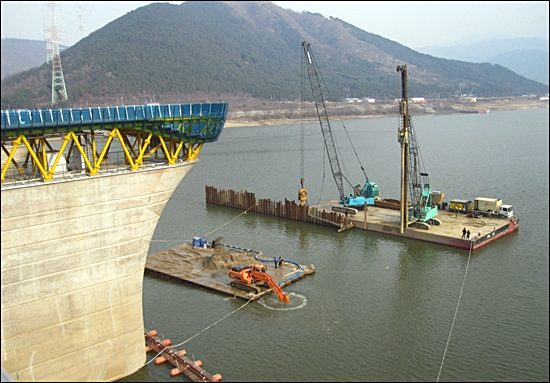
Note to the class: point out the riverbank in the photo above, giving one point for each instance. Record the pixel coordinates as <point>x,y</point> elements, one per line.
<point>284,114</point>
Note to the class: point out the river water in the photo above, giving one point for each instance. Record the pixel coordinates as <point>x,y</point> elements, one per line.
<point>378,308</point>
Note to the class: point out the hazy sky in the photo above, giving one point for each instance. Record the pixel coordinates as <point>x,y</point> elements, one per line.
<point>414,24</point>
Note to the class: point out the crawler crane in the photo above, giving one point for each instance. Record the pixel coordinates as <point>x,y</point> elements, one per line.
<point>362,195</point>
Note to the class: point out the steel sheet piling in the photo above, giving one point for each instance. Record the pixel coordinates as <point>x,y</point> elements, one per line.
<point>287,209</point>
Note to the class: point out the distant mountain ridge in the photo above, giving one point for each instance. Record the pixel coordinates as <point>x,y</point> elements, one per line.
<point>530,63</point>
<point>528,57</point>
<point>218,50</point>
<point>19,55</point>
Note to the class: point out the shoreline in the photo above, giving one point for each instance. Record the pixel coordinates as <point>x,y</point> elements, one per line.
<point>268,119</point>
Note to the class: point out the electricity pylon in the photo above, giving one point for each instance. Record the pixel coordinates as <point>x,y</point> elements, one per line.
<point>59,90</point>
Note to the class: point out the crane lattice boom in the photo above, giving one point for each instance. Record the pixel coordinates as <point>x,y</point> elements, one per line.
<point>319,100</point>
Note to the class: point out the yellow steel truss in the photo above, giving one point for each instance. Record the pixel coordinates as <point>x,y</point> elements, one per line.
<point>136,147</point>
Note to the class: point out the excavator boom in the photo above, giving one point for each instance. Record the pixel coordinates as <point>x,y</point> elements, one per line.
<point>246,276</point>
<point>258,276</point>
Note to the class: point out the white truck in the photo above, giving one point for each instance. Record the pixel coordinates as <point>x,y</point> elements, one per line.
<point>492,207</point>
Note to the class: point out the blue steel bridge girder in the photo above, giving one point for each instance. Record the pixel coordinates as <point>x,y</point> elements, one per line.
<point>194,123</point>
<point>162,135</point>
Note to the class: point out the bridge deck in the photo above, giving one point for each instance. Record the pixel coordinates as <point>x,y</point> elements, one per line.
<point>183,122</point>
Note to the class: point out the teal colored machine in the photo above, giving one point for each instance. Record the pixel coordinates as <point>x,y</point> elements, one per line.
<point>424,210</point>
<point>419,208</point>
<point>361,196</point>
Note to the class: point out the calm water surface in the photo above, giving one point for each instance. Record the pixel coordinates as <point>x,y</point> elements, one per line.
<point>378,308</point>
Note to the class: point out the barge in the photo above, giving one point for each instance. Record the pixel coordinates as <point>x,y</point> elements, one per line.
<point>384,219</point>
<point>448,232</point>
<point>208,267</point>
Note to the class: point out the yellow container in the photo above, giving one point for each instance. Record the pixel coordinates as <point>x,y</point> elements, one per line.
<point>460,205</point>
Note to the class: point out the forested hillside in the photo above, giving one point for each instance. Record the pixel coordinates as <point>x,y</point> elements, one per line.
<point>216,51</point>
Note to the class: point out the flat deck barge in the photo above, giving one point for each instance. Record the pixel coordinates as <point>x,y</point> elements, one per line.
<point>386,221</point>
<point>378,219</point>
<point>209,268</point>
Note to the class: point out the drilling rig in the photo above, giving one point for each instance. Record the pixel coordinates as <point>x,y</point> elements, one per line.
<point>419,211</point>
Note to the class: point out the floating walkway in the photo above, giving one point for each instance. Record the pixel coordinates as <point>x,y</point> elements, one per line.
<point>379,219</point>
<point>165,353</point>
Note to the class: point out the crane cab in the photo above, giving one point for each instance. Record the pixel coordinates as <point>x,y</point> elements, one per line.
<point>259,268</point>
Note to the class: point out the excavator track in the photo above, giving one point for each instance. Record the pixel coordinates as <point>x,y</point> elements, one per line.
<point>433,221</point>
<point>246,287</point>
<point>420,225</point>
<point>343,209</point>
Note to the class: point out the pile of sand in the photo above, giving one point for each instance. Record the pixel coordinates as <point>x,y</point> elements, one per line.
<point>224,259</point>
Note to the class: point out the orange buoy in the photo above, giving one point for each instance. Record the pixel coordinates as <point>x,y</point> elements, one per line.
<point>152,333</point>
<point>175,371</point>
<point>182,353</point>
<point>160,359</point>
<point>167,342</point>
<point>198,363</point>
<point>217,378</point>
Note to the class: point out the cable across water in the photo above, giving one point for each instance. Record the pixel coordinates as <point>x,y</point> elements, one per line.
<point>456,311</point>
<point>219,227</point>
<point>203,330</point>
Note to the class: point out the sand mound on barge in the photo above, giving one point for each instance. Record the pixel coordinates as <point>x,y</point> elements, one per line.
<point>224,259</point>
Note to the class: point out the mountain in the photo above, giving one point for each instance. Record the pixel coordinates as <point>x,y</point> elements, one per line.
<point>530,63</point>
<point>527,57</point>
<point>223,50</point>
<point>19,55</point>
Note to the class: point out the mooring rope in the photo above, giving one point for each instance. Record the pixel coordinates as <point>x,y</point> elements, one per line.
<point>218,321</point>
<point>456,311</point>
<point>231,220</point>
<point>203,330</point>
<point>215,323</point>
<point>216,229</point>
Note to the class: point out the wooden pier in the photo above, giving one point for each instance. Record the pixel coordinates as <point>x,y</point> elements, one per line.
<point>165,353</point>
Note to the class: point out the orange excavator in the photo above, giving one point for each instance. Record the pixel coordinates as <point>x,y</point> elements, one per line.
<point>248,278</point>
